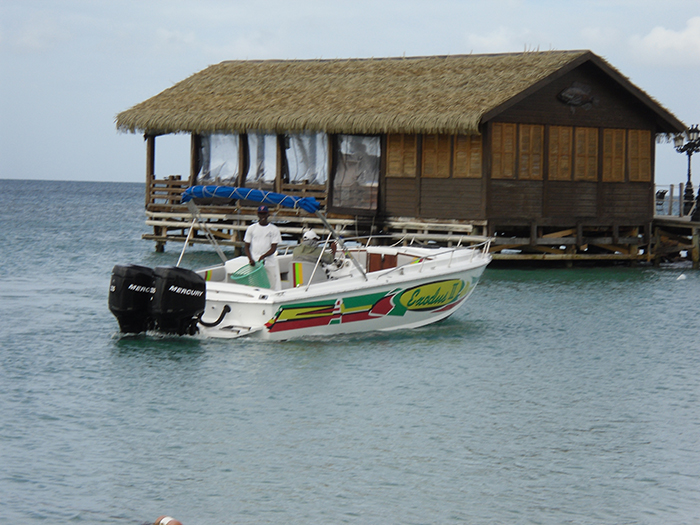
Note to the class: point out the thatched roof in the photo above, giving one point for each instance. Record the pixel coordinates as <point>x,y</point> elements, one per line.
<point>448,94</point>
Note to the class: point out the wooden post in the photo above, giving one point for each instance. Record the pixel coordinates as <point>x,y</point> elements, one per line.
<point>281,152</point>
<point>670,201</point>
<point>696,249</point>
<point>150,179</point>
<point>195,157</point>
<point>150,166</point>
<point>570,250</point>
<point>533,233</point>
<point>634,248</point>
<point>680,200</point>
<point>656,239</point>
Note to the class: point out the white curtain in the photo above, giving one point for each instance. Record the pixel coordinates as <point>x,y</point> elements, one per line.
<point>219,159</point>
<point>262,168</point>
<point>356,180</point>
<point>307,158</point>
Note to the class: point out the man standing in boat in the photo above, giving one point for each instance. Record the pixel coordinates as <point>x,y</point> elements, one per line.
<point>261,240</point>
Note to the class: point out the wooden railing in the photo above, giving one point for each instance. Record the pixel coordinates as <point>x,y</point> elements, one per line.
<point>166,191</point>
<point>668,202</point>
<point>162,194</point>
<point>318,191</point>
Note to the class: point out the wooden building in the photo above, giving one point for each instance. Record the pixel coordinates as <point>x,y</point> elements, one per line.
<point>552,153</point>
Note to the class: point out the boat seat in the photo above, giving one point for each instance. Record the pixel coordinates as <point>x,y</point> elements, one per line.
<point>381,261</point>
<point>301,272</point>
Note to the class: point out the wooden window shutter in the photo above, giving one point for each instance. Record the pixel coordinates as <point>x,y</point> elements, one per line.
<point>586,154</point>
<point>531,152</point>
<point>436,156</point>
<point>639,155</point>
<point>613,155</point>
<point>503,151</point>
<point>467,157</point>
<point>561,140</point>
<point>401,155</point>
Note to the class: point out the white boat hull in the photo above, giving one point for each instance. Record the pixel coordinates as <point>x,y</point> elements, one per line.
<point>425,291</point>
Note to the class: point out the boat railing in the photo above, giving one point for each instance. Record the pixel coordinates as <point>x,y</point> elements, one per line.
<point>363,242</point>
<point>482,248</point>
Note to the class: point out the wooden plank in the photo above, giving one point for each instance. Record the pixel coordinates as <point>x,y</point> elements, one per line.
<point>612,247</point>
<point>565,257</point>
<point>451,199</point>
<point>496,249</point>
<point>562,233</point>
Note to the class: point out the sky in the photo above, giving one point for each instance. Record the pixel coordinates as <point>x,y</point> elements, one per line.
<point>67,67</point>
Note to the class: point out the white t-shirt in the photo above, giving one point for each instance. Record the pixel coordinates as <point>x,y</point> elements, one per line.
<point>261,238</point>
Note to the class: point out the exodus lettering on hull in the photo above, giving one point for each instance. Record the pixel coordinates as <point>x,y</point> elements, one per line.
<point>438,296</point>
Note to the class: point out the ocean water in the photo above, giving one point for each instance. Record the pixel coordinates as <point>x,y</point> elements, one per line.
<point>553,396</point>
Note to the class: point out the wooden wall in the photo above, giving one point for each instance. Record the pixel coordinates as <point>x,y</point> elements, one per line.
<point>597,104</point>
<point>401,197</point>
<point>451,199</point>
<point>433,177</point>
<point>610,105</point>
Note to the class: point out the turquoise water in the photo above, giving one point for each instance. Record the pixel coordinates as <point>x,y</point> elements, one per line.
<point>554,396</point>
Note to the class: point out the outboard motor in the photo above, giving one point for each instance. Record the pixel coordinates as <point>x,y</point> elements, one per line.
<point>130,292</point>
<point>178,301</point>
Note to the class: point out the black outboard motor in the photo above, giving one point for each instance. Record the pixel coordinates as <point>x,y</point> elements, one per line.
<point>178,301</point>
<point>130,292</point>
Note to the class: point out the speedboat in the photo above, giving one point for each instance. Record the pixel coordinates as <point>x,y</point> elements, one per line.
<point>366,288</point>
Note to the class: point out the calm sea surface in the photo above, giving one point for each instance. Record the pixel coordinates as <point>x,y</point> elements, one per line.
<point>554,396</point>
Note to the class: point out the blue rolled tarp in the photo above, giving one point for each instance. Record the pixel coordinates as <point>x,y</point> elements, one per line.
<point>308,204</point>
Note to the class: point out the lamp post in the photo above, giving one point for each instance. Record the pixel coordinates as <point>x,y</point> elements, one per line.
<point>692,145</point>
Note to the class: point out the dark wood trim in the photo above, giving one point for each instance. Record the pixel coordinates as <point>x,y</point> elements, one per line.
<point>150,165</point>
<point>381,194</point>
<point>487,167</point>
<point>279,165</point>
<point>600,192</point>
<point>195,157</point>
<point>332,162</point>
<point>418,181</point>
<point>545,169</point>
<point>243,159</point>
<point>484,184</point>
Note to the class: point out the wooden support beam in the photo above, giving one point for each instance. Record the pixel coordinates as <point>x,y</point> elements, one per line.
<point>614,248</point>
<point>495,249</point>
<point>564,257</point>
<point>547,249</point>
<point>150,166</point>
<point>562,233</point>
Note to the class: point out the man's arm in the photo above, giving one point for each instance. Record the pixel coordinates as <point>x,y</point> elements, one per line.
<point>247,252</point>
<point>272,250</point>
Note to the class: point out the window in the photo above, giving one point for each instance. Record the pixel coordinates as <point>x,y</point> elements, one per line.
<point>613,155</point>
<point>401,155</point>
<point>307,158</point>
<point>356,177</point>
<point>436,156</point>
<point>219,159</point>
<point>262,165</point>
<point>503,151</point>
<point>530,152</point>
<point>586,154</point>
<point>560,146</point>
<point>467,157</point>
<point>639,156</point>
